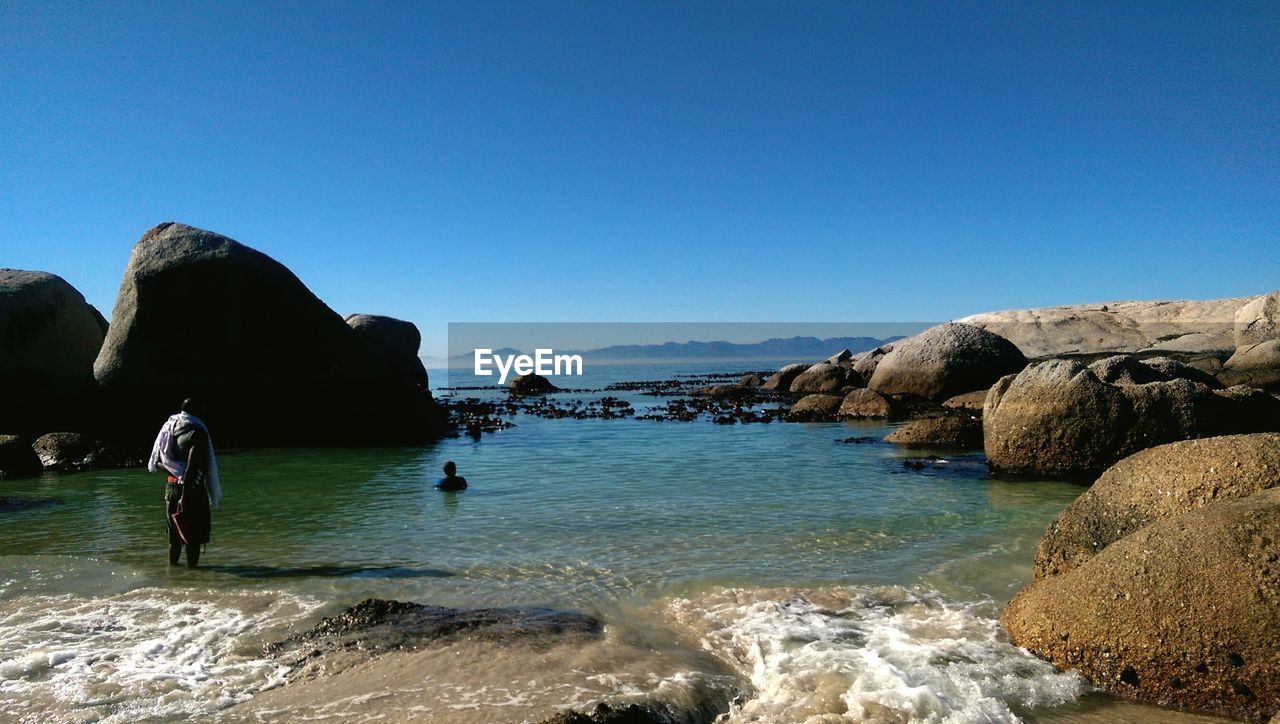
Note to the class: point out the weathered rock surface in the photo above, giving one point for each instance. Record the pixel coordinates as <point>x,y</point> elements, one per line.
<point>201,315</point>
<point>945,361</point>
<point>825,377</point>
<point>1186,326</point>
<point>953,431</point>
<point>844,356</point>
<point>1184,612</point>
<point>1130,370</point>
<point>375,626</point>
<point>865,363</point>
<point>969,401</point>
<point>1058,418</point>
<point>49,337</point>
<point>531,384</point>
<point>1258,321</point>
<point>866,403</point>
<point>392,345</point>
<point>65,451</point>
<point>1153,484</point>
<point>816,408</point>
<point>17,459</point>
<point>782,379</point>
<point>1257,365</point>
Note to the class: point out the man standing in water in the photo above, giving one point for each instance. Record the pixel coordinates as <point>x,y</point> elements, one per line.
<point>184,450</point>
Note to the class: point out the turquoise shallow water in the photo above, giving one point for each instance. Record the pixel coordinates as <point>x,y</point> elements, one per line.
<point>650,525</point>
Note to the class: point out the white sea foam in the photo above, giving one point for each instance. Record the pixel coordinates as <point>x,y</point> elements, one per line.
<point>871,654</point>
<point>149,653</point>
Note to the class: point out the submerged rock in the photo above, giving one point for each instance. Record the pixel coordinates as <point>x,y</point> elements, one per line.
<point>1184,612</point>
<point>375,626</point>
<point>17,459</point>
<point>1157,483</point>
<point>645,713</point>
<point>945,361</point>
<point>1058,418</point>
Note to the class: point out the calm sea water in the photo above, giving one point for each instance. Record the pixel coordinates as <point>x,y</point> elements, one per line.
<point>766,567</point>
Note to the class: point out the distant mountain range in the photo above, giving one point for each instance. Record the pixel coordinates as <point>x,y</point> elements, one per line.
<point>799,349</point>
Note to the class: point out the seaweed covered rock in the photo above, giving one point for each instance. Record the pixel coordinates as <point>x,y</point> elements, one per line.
<point>199,314</point>
<point>945,361</point>
<point>1184,612</point>
<point>376,626</point>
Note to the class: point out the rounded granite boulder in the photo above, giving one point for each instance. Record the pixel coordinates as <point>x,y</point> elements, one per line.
<point>816,408</point>
<point>1058,418</point>
<point>825,377</point>
<point>960,431</point>
<point>1184,612</point>
<point>1157,483</point>
<point>865,403</point>
<point>946,360</point>
<point>781,380</point>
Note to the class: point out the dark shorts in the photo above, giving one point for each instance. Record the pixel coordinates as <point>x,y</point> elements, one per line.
<point>193,522</point>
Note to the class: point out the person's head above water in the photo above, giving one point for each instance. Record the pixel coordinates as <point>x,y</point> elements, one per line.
<point>450,468</point>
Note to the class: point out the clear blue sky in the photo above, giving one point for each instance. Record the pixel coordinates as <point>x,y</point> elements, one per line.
<point>617,161</point>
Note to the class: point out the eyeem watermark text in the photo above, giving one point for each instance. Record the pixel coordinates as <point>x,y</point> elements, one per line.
<point>543,362</point>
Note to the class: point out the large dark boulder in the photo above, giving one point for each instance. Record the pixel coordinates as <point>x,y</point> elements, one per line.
<point>49,337</point>
<point>945,361</point>
<point>1184,612</point>
<point>1156,483</point>
<point>17,459</point>
<point>201,315</point>
<point>392,345</point>
<point>530,384</point>
<point>1058,418</point>
<point>825,377</point>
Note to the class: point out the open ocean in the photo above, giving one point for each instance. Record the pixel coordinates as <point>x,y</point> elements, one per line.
<point>765,569</point>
